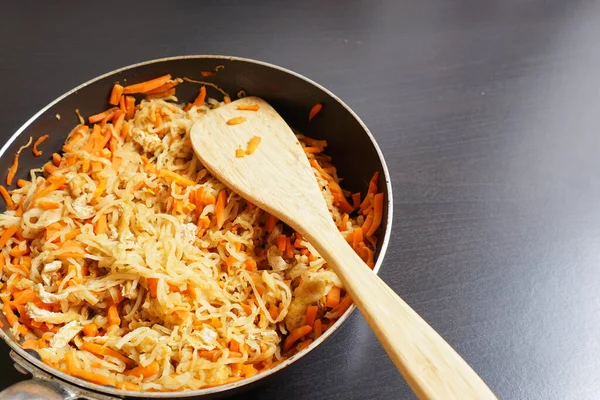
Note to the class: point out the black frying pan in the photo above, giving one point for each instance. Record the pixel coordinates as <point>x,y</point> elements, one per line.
<point>353,148</point>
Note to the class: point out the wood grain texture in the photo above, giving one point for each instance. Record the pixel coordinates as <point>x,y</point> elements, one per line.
<point>278,178</point>
<point>487,115</point>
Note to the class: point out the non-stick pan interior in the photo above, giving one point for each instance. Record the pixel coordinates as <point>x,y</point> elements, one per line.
<point>351,146</point>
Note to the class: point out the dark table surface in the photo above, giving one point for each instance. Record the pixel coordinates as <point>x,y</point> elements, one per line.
<point>487,113</point>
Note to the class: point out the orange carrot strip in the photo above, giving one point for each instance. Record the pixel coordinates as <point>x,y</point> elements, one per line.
<point>152,286</point>
<point>13,170</point>
<point>270,223</point>
<point>314,142</point>
<point>144,87</point>
<point>343,306</point>
<point>220,208</point>
<point>40,140</point>
<point>373,183</point>
<point>377,213</point>
<point>90,329</point>
<point>8,233</point>
<point>104,115</point>
<point>357,237</point>
<point>115,94</point>
<point>165,87</point>
<point>201,97</point>
<point>208,73</point>
<point>236,120</point>
<point>289,248</point>
<point>173,176</point>
<point>99,350</point>
<point>125,130</point>
<point>311,314</point>
<point>318,328</point>
<point>250,264</point>
<point>24,297</point>
<point>333,297</point>
<point>119,125</point>
<point>10,315</point>
<point>314,111</point>
<point>100,226</point>
<point>280,242</point>
<point>22,183</point>
<point>252,144</point>
<point>48,205</point>
<point>356,200</point>
<point>130,106</point>
<point>144,372</point>
<point>248,107</point>
<point>112,315</point>
<point>239,152</point>
<point>10,204</point>
<point>93,377</point>
<point>295,335</point>
<point>56,158</point>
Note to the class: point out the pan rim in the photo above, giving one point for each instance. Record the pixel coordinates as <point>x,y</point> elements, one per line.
<point>235,385</point>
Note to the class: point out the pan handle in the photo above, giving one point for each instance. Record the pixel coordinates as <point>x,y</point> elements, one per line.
<point>37,389</point>
<point>43,386</point>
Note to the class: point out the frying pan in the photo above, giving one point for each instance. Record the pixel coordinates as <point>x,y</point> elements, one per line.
<point>291,94</point>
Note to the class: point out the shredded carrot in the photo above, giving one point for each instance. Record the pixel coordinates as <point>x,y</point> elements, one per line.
<point>56,158</point>
<point>356,200</point>
<point>144,372</point>
<point>113,315</point>
<point>22,183</point>
<point>129,106</point>
<point>311,314</point>
<point>314,111</point>
<point>100,226</point>
<point>250,264</point>
<point>48,205</point>
<point>103,116</point>
<point>152,286</point>
<point>7,234</point>
<point>9,314</point>
<point>165,87</point>
<point>220,208</point>
<point>239,152</point>
<point>93,377</point>
<point>333,297</point>
<point>252,144</point>
<point>208,73</point>
<point>280,242</point>
<point>115,94</point>
<point>270,223</point>
<point>125,130</point>
<point>357,237</point>
<point>145,87</point>
<point>296,335</point>
<point>24,297</point>
<point>90,329</point>
<point>100,350</point>
<point>201,97</point>
<point>10,204</point>
<point>318,328</point>
<point>313,150</point>
<point>343,306</point>
<point>40,140</point>
<point>377,213</point>
<point>313,142</point>
<point>236,120</point>
<point>248,107</point>
<point>175,177</point>
<point>13,170</point>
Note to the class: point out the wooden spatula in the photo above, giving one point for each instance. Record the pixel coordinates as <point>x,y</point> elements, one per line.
<point>278,178</point>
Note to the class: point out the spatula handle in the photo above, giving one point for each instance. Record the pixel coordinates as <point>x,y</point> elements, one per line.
<point>427,362</point>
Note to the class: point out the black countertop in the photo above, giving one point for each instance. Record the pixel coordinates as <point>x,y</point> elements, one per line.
<point>487,114</point>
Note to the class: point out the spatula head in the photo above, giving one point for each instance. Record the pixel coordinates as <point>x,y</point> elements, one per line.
<point>276,177</point>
